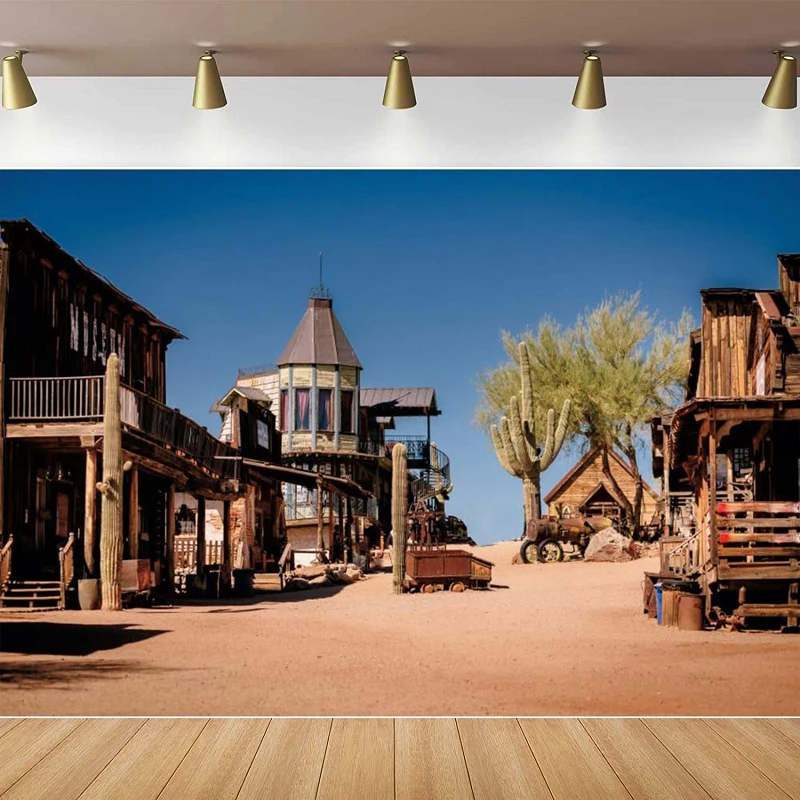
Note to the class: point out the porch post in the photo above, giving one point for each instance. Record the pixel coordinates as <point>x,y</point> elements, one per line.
<point>331,537</point>
<point>200,559</point>
<point>351,548</point>
<point>133,514</point>
<point>4,262</point>
<point>225,569</point>
<point>712,510</point>
<point>320,521</point>
<point>90,512</point>
<point>170,545</point>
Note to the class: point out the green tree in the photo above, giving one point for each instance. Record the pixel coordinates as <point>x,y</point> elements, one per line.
<point>619,364</point>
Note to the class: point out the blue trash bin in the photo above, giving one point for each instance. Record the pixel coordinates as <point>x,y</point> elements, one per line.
<point>659,602</point>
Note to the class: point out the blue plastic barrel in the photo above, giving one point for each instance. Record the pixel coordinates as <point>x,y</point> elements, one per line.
<point>659,602</point>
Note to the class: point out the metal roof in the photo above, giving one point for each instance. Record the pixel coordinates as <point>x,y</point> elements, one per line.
<point>89,274</point>
<point>319,339</point>
<point>400,402</point>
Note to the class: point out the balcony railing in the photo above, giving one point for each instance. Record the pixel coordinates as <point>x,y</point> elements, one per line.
<point>82,399</point>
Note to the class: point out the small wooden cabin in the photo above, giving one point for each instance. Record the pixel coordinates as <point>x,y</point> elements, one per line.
<point>586,491</point>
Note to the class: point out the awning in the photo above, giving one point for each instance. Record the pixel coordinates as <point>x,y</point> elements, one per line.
<point>307,478</point>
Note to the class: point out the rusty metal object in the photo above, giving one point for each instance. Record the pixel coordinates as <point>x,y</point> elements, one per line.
<point>544,538</point>
<point>431,568</point>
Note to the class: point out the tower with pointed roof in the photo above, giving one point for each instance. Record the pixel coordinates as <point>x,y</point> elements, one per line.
<point>319,377</point>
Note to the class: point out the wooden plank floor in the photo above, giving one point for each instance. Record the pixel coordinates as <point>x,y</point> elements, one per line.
<point>400,759</point>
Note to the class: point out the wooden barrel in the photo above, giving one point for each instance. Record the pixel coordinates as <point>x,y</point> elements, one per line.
<point>690,612</point>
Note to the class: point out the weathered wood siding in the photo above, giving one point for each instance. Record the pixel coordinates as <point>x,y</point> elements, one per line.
<point>725,331</point>
<point>586,480</point>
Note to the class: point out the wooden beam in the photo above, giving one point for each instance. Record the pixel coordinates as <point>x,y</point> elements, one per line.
<point>133,513</point>
<point>201,535</point>
<point>331,536</point>
<point>5,260</point>
<point>712,485</point>
<point>53,430</point>
<point>320,521</point>
<point>225,569</point>
<point>170,544</point>
<point>90,512</point>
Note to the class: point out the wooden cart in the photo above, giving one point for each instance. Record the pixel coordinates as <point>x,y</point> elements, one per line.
<point>436,568</point>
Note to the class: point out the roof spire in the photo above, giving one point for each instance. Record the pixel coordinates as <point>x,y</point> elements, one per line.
<point>320,292</point>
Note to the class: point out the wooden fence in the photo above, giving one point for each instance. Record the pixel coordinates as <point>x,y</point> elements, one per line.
<point>186,552</point>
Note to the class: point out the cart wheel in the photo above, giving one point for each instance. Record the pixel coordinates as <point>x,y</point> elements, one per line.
<point>528,552</point>
<point>428,588</point>
<point>457,586</point>
<point>550,551</point>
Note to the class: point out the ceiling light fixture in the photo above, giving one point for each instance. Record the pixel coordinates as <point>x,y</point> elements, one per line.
<point>590,91</point>
<point>782,89</point>
<point>399,92</point>
<point>208,91</point>
<point>17,92</point>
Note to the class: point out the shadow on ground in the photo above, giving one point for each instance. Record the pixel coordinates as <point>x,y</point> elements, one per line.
<point>60,674</point>
<point>258,599</point>
<point>33,637</point>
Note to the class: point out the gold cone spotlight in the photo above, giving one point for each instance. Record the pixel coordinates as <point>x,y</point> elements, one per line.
<point>17,92</point>
<point>590,91</point>
<point>399,92</point>
<point>208,91</point>
<point>782,89</point>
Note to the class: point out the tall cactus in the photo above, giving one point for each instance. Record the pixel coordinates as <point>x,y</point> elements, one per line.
<point>399,514</point>
<point>515,439</point>
<point>111,490</point>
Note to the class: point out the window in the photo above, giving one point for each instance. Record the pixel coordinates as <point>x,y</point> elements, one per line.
<point>284,409</point>
<point>302,410</point>
<point>325,410</point>
<point>347,411</point>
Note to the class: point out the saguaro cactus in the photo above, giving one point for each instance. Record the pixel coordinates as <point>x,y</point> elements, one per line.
<point>399,514</point>
<point>515,439</point>
<point>111,490</point>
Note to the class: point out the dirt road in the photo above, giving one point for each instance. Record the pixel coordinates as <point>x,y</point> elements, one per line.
<point>559,639</point>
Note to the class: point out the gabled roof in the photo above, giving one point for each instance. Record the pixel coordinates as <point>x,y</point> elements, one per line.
<point>256,395</point>
<point>72,265</point>
<point>407,402</point>
<point>584,462</point>
<point>319,339</point>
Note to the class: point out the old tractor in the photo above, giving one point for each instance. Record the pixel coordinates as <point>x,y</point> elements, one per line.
<point>545,538</point>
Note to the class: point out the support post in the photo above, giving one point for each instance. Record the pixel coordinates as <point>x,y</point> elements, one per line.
<point>170,545</point>
<point>90,514</point>
<point>331,536</point>
<point>712,493</point>
<point>200,559</point>
<point>349,537</point>
<point>320,522</point>
<point>5,259</point>
<point>133,513</point>
<point>225,569</point>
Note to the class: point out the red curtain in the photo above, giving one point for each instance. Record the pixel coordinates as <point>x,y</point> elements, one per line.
<point>325,411</point>
<point>347,412</point>
<point>301,416</point>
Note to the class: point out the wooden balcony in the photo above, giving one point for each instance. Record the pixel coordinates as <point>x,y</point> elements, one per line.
<point>43,401</point>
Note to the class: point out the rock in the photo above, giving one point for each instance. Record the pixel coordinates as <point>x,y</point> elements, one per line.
<point>517,559</point>
<point>610,545</point>
<point>355,573</point>
<point>320,580</point>
<point>313,571</point>
<point>296,584</point>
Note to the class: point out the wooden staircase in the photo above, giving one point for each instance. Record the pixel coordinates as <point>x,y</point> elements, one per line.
<point>31,594</point>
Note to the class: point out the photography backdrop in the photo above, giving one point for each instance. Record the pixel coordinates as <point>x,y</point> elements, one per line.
<point>459,123</point>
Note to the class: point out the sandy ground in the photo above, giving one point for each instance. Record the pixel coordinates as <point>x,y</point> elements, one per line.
<point>552,639</point>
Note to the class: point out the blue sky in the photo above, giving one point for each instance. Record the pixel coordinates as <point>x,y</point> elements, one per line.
<point>426,269</point>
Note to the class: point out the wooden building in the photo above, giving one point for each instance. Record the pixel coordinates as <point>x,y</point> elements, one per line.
<point>59,321</point>
<point>585,491</point>
<point>339,432</point>
<point>729,457</point>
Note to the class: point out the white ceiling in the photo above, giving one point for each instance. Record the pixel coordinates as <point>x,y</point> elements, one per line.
<point>356,37</point>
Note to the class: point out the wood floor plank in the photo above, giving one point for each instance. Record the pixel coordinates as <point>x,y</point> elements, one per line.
<point>648,770</point>
<point>288,763</point>
<point>216,765</point>
<point>359,761</point>
<point>788,726</point>
<point>76,761</point>
<point>499,761</point>
<point>571,763</point>
<point>429,760</point>
<point>8,724</point>
<point>142,768</point>
<point>28,743</point>
<point>777,756</point>
<point>716,766</point>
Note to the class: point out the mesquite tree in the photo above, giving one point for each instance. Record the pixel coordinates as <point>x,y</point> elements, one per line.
<point>399,514</point>
<point>515,442</point>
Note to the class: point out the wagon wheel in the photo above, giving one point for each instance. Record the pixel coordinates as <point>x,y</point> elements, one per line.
<point>528,552</point>
<point>457,586</point>
<point>550,551</point>
<point>428,588</point>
